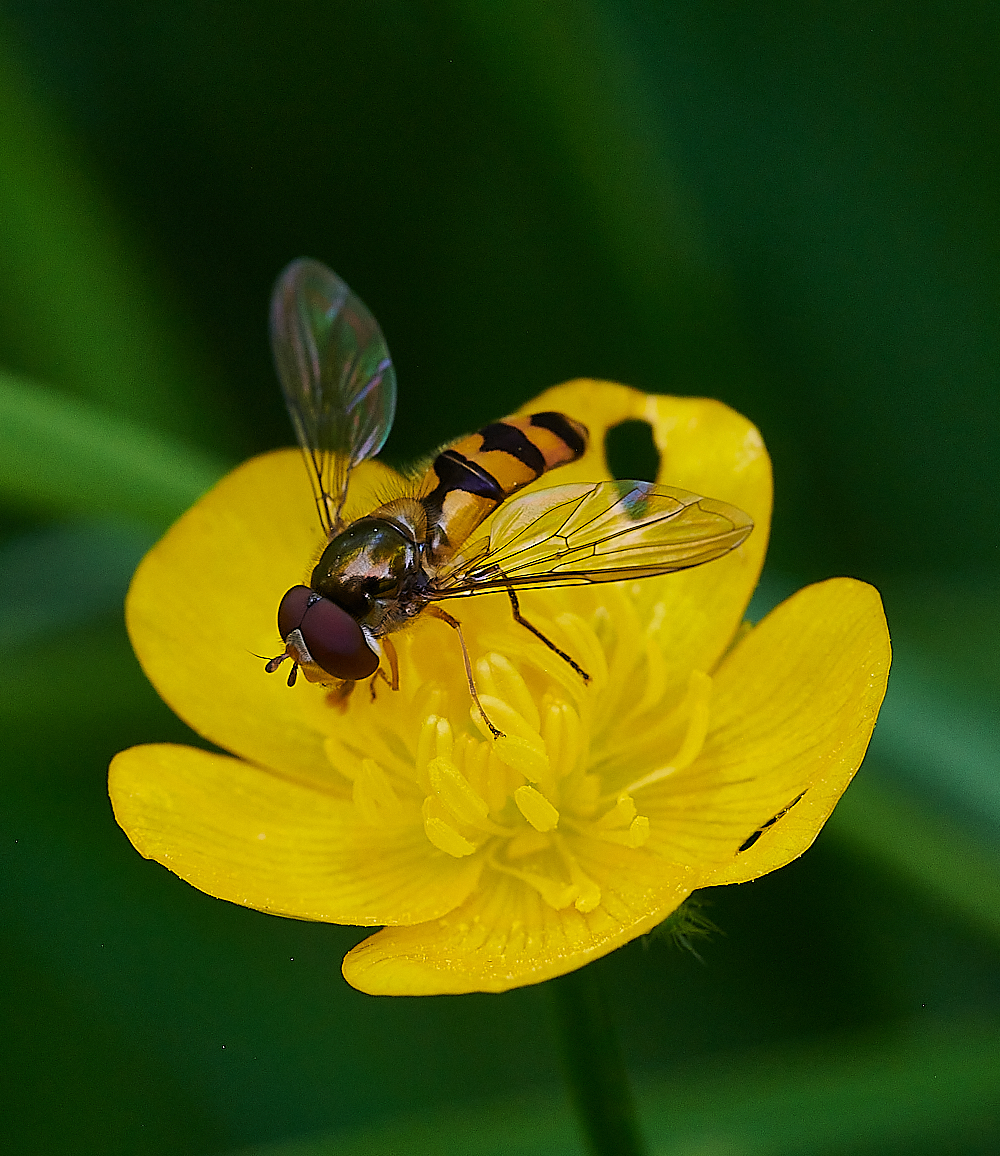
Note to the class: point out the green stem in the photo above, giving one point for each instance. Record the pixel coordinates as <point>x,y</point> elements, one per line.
<point>594,1065</point>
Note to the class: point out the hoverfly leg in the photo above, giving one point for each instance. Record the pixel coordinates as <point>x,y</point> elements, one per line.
<point>379,674</point>
<point>437,612</point>
<point>515,607</point>
<point>337,698</point>
<point>390,653</point>
<point>393,657</point>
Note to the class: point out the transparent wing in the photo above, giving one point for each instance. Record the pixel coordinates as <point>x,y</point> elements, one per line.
<point>336,375</point>
<point>574,534</point>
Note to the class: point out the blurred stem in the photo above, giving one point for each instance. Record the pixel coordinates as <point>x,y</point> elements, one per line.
<point>594,1065</point>
<point>63,455</point>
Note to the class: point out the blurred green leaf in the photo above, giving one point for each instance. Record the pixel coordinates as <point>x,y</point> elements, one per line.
<point>927,848</point>
<point>62,576</point>
<point>62,455</point>
<point>953,618</point>
<point>941,741</point>
<point>78,303</point>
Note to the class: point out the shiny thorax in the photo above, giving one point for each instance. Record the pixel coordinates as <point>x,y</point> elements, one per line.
<point>375,564</point>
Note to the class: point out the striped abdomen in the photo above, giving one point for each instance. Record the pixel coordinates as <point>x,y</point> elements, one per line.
<point>469,479</point>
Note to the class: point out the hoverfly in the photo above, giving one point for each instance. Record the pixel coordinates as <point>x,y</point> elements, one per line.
<point>379,572</point>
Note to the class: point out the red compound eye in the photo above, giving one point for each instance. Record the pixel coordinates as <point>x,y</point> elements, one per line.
<point>333,638</point>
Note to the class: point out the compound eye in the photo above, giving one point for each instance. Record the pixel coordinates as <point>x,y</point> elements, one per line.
<point>291,609</point>
<point>333,638</point>
<point>336,642</point>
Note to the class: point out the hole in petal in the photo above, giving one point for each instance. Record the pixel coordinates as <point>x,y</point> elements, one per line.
<point>631,451</point>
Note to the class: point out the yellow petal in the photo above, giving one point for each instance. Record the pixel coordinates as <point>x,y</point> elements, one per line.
<point>202,607</point>
<point>243,834</point>
<point>793,710</point>
<point>707,448</point>
<point>506,935</point>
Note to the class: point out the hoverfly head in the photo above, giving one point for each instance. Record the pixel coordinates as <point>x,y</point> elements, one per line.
<point>318,632</point>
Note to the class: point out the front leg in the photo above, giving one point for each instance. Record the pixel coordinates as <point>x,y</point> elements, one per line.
<point>393,657</point>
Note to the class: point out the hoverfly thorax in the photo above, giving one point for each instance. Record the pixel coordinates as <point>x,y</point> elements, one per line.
<point>371,564</point>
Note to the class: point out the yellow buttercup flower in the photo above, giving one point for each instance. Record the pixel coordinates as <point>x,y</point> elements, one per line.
<point>700,753</point>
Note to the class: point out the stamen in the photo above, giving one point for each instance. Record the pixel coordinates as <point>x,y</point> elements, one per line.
<point>585,647</point>
<point>562,733</point>
<point>374,796</point>
<point>523,757</point>
<point>496,782</point>
<point>444,739</point>
<point>557,895</point>
<point>622,813</point>
<point>437,612</point>
<point>435,741</point>
<point>442,834</point>
<point>588,892</point>
<point>527,843</point>
<point>524,650</point>
<point>499,678</point>
<point>655,679</point>
<point>534,806</point>
<point>521,746</point>
<point>699,692</point>
<point>455,792</point>
<point>431,698</point>
<point>426,744</point>
<point>619,825</point>
<point>476,760</point>
<point>516,722</point>
<point>636,835</point>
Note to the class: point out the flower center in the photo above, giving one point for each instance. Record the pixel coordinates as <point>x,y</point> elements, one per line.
<point>572,764</point>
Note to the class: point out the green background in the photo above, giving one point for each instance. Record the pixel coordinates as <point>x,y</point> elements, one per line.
<point>789,206</point>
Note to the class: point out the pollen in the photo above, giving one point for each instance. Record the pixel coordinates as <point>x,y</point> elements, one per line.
<point>569,770</point>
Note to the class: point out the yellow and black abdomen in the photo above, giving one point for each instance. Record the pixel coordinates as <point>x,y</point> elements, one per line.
<point>468,480</point>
